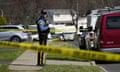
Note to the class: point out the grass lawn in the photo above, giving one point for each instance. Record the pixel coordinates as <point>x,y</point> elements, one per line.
<point>58,68</point>
<point>62,44</point>
<point>70,68</point>
<point>7,54</point>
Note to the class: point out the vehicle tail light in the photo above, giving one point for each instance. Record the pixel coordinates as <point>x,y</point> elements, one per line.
<point>92,39</point>
<point>82,36</point>
<point>25,31</point>
<point>91,36</point>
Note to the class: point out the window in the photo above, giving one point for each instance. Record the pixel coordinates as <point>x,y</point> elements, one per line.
<point>113,22</point>
<point>69,24</point>
<point>9,28</point>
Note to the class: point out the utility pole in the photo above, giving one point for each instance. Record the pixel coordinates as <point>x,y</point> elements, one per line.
<point>1,12</point>
<point>77,8</point>
<point>103,3</point>
<point>112,5</point>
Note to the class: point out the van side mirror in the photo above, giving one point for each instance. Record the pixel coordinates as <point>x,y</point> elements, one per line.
<point>90,28</point>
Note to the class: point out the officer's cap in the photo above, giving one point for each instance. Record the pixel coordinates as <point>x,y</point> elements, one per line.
<point>43,12</point>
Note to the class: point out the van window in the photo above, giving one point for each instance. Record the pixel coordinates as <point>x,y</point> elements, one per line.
<point>69,24</point>
<point>113,22</point>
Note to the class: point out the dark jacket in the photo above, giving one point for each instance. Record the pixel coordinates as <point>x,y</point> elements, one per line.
<point>42,25</point>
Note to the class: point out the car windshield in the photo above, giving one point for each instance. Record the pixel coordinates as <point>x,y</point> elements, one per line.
<point>113,22</point>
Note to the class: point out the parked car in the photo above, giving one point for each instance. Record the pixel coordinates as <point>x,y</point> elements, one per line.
<point>14,33</point>
<point>105,35</point>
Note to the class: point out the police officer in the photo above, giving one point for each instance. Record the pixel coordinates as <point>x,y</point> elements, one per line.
<point>43,30</point>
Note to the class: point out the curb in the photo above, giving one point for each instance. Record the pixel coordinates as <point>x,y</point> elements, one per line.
<point>66,62</point>
<point>49,62</point>
<point>103,69</point>
<point>93,63</point>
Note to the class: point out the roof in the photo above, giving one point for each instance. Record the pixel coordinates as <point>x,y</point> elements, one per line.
<point>52,12</point>
<point>18,26</point>
<point>105,11</point>
<point>61,11</point>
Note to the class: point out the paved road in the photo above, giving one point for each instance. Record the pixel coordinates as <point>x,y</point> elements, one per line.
<point>111,67</point>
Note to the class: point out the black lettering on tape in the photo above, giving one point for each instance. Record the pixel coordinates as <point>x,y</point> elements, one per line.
<point>52,50</point>
<point>24,46</point>
<point>16,46</point>
<point>57,51</point>
<point>49,50</point>
<point>88,55</point>
<point>94,55</point>
<point>2,43</point>
<point>45,49</point>
<point>76,54</point>
<point>101,57</point>
<point>33,47</point>
<point>7,44</point>
<point>84,55</point>
<point>40,48</point>
<point>66,52</point>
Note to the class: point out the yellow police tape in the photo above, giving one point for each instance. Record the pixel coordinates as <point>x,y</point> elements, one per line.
<point>84,54</point>
<point>51,30</point>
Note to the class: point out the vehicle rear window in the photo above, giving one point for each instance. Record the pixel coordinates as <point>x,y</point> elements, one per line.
<point>113,22</point>
<point>9,28</point>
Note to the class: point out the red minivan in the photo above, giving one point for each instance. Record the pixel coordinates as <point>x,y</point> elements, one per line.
<point>107,32</point>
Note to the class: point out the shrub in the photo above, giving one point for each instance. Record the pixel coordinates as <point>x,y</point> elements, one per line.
<point>3,20</point>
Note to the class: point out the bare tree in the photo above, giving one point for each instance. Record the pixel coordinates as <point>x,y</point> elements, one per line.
<point>27,11</point>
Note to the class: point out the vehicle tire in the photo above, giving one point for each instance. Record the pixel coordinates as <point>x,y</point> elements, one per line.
<point>82,45</point>
<point>96,48</point>
<point>61,37</point>
<point>15,39</point>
